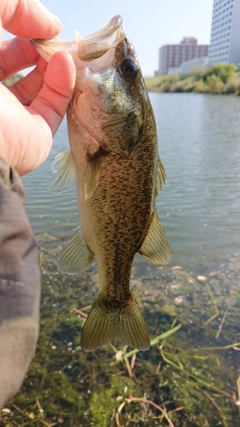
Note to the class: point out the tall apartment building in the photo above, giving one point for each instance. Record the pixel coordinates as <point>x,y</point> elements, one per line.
<point>172,55</point>
<point>225,34</point>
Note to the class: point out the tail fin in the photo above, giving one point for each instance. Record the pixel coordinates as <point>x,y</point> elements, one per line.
<point>104,323</point>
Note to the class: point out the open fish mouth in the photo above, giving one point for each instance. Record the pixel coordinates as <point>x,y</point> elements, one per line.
<point>107,31</point>
<point>86,49</point>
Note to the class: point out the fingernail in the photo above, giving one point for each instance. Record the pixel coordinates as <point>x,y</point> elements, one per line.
<point>52,16</point>
<point>57,20</point>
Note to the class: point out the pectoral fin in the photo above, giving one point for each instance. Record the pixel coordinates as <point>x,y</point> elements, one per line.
<point>92,174</point>
<point>155,245</point>
<point>75,256</point>
<point>64,169</point>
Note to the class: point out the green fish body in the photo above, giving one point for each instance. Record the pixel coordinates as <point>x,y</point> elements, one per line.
<point>114,160</point>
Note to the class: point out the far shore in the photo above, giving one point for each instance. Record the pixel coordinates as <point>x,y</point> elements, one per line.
<point>219,79</point>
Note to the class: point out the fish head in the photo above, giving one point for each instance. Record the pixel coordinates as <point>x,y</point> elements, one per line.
<point>110,96</point>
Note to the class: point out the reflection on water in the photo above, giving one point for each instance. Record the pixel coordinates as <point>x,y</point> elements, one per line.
<point>199,144</point>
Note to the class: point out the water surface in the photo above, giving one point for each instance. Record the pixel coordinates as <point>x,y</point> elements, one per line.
<point>199,145</point>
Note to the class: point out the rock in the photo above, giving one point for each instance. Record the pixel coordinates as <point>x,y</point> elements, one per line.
<point>213,273</point>
<point>170,310</point>
<point>45,238</point>
<point>118,355</point>
<point>5,411</point>
<point>202,278</point>
<point>179,300</point>
<point>95,278</point>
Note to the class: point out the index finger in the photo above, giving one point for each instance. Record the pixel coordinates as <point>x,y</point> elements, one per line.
<point>28,18</point>
<point>15,55</point>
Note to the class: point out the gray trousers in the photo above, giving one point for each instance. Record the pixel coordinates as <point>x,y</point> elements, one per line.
<point>19,285</point>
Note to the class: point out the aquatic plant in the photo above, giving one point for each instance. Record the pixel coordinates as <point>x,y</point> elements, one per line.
<point>189,378</point>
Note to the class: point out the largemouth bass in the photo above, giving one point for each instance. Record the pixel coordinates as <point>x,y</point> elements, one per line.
<point>118,174</point>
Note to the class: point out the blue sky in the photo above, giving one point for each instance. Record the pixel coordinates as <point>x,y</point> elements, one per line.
<point>149,24</point>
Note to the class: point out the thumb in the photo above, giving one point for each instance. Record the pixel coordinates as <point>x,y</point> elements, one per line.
<point>53,99</point>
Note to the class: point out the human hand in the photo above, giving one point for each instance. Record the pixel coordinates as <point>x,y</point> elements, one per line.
<point>32,109</point>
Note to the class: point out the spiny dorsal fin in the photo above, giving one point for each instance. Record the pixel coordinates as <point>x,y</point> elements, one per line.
<point>161,177</point>
<point>78,36</point>
<point>64,169</point>
<point>75,256</point>
<point>104,323</point>
<point>92,174</point>
<point>155,245</point>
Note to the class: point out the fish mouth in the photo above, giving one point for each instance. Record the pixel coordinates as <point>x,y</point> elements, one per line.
<point>97,44</point>
<point>108,31</point>
<point>85,49</point>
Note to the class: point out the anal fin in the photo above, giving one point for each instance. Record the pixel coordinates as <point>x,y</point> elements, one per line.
<point>155,245</point>
<point>75,256</point>
<point>161,177</point>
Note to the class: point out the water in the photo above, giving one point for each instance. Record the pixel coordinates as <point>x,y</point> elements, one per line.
<point>197,369</point>
<point>199,208</point>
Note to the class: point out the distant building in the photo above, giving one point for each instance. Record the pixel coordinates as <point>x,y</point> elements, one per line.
<point>225,34</point>
<point>173,70</point>
<point>187,66</point>
<point>172,55</point>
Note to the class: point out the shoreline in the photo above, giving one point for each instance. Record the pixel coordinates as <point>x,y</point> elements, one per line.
<point>221,79</point>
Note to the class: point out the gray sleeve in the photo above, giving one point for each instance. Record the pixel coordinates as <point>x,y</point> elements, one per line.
<point>19,285</point>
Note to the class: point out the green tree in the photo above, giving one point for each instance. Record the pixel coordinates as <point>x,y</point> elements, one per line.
<point>233,84</point>
<point>223,71</point>
<point>200,87</point>
<point>215,84</point>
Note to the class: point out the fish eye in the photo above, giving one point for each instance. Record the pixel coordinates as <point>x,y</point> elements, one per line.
<point>129,68</point>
